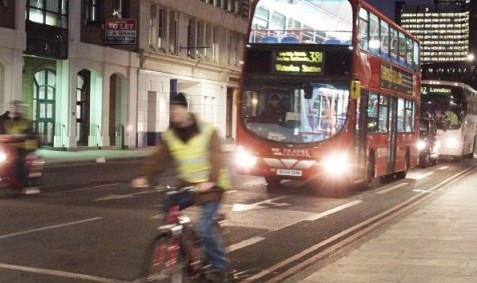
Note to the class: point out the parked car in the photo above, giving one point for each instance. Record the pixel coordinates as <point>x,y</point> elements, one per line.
<point>428,143</point>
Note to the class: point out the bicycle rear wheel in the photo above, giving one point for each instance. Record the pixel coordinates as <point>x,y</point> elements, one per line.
<point>164,260</point>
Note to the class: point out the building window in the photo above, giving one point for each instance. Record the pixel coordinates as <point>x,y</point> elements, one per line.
<point>7,13</point>
<point>191,38</point>
<point>152,27</point>
<point>201,43</point>
<point>209,31</point>
<point>234,48</point>
<point>162,28</point>
<point>158,27</point>
<point>80,102</point>
<point>92,10</point>
<point>52,12</point>
<point>44,91</point>
<point>172,32</point>
<point>227,5</point>
<point>235,6</point>
<point>119,9</point>
<point>215,43</point>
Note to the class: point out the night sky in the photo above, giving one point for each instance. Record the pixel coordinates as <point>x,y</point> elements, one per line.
<point>384,6</point>
<point>387,6</point>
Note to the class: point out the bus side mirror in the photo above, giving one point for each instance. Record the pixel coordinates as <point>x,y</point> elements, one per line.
<point>308,89</point>
<point>355,89</point>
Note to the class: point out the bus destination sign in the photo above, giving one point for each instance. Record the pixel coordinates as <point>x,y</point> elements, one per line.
<point>298,62</point>
<point>439,90</point>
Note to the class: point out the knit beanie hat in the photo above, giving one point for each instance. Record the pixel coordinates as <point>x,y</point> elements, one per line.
<point>179,99</point>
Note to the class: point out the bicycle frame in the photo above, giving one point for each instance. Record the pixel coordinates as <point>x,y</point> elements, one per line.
<point>177,250</point>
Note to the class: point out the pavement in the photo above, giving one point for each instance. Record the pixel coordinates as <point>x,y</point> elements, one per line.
<point>59,157</point>
<point>62,157</point>
<point>432,240</point>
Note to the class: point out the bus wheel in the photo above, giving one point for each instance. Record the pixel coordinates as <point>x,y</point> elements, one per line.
<point>435,161</point>
<point>402,174</point>
<point>425,160</point>
<point>371,180</point>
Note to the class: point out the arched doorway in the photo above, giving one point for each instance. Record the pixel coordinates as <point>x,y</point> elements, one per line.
<point>82,107</point>
<point>44,92</point>
<point>117,110</point>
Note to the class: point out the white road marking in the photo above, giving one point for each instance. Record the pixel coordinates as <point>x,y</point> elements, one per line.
<point>243,207</point>
<point>423,175</point>
<point>261,237</point>
<point>443,168</point>
<point>333,210</point>
<point>421,191</point>
<point>244,243</point>
<point>126,196</point>
<point>82,189</point>
<point>58,273</point>
<point>391,188</point>
<point>49,227</point>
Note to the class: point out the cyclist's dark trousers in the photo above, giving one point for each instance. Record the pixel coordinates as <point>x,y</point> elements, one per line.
<point>20,173</point>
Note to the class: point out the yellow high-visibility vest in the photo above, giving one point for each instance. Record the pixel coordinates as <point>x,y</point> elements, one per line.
<point>15,127</point>
<point>193,158</point>
<point>18,128</point>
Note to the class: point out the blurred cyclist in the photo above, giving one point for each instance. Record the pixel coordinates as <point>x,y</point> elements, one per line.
<point>23,140</point>
<point>193,148</point>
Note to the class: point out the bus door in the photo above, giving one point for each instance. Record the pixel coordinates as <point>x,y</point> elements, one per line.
<point>361,121</point>
<point>392,137</point>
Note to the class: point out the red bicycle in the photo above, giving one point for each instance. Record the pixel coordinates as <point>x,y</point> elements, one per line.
<point>176,254</point>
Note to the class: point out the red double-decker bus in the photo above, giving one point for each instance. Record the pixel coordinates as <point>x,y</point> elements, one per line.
<point>329,90</point>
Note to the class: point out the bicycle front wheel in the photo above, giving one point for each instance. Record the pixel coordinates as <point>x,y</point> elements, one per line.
<point>164,260</point>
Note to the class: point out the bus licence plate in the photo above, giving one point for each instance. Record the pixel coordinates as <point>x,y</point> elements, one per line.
<point>289,172</point>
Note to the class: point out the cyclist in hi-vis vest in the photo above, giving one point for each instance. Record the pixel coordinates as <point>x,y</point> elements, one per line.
<point>193,149</point>
<point>22,140</point>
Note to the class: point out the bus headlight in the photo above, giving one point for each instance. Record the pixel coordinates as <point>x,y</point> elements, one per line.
<point>336,164</point>
<point>3,156</point>
<point>421,144</point>
<point>244,158</point>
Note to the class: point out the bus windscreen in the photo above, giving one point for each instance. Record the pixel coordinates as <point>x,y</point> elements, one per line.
<point>444,103</point>
<point>294,112</point>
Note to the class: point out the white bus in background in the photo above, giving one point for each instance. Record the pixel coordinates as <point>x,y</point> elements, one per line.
<point>454,106</point>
